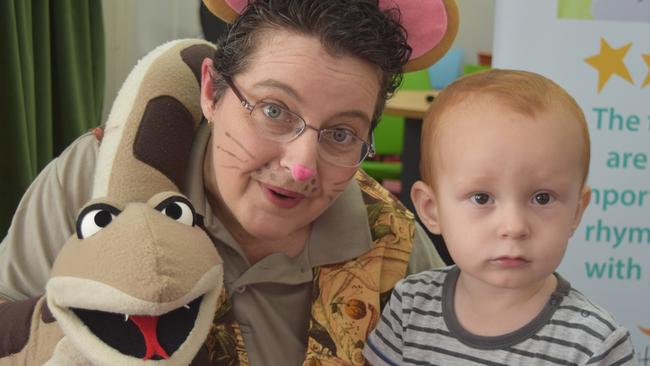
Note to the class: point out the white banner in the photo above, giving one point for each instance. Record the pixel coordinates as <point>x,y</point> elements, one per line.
<point>599,50</point>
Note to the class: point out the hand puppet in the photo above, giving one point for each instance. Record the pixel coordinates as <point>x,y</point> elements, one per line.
<point>139,281</point>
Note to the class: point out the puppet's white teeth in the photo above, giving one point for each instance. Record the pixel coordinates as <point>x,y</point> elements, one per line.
<point>126,317</point>
<point>186,306</point>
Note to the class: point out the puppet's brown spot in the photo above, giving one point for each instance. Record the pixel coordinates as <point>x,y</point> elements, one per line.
<point>164,138</point>
<point>193,56</point>
<point>16,319</point>
<point>46,314</point>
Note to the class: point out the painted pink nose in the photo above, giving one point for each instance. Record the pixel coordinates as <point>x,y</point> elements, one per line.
<point>301,173</point>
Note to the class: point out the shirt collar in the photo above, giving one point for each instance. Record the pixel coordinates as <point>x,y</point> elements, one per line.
<point>342,232</point>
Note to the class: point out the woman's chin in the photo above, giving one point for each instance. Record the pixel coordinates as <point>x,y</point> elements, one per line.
<point>273,230</point>
<point>269,233</point>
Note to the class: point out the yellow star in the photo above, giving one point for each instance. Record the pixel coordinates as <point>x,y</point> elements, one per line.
<point>610,62</point>
<point>646,58</point>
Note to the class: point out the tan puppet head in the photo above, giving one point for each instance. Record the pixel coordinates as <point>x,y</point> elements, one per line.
<point>138,283</point>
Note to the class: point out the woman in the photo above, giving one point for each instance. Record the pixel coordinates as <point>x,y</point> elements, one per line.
<point>311,247</point>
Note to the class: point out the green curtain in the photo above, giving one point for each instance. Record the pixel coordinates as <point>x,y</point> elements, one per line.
<point>51,86</point>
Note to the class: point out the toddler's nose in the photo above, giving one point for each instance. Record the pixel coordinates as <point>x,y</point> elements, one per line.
<point>514,224</point>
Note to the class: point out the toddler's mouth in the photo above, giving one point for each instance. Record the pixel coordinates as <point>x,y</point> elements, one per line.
<point>510,262</point>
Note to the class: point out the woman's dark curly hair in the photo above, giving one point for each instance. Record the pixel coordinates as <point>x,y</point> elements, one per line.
<point>356,28</point>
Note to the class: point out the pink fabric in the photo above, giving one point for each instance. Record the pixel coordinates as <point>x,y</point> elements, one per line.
<point>237,5</point>
<point>424,20</point>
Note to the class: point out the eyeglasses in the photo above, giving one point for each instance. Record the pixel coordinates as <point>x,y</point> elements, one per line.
<point>339,146</point>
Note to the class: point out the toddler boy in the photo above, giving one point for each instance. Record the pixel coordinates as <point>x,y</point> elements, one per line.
<point>505,158</point>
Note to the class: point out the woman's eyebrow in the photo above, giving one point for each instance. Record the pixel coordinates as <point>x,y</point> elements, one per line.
<point>276,84</point>
<point>286,88</point>
<point>354,113</point>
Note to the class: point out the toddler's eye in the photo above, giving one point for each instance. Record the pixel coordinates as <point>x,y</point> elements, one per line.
<point>542,198</point>
<point>480,198</point>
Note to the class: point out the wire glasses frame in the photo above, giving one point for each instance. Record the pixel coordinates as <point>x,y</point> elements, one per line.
<point>338,146</point>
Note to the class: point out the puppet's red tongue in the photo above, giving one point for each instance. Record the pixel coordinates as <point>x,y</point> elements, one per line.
<point>147,326</point>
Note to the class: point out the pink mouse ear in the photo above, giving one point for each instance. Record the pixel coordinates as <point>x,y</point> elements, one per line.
<point>226,10</point>
<point>431,25</point>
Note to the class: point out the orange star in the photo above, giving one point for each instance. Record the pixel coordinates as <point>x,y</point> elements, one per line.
<point>610,62</point>
<point>646,58</point>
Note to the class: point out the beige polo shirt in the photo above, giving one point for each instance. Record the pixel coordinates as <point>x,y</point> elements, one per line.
<point>271,298</point>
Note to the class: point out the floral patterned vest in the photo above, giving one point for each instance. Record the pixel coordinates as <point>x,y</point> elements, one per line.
<point>348,297</point>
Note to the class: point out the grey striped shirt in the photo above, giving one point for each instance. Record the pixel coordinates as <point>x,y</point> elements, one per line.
<point>419,327</point>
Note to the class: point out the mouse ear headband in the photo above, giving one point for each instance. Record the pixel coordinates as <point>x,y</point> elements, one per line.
<point>431,25</point>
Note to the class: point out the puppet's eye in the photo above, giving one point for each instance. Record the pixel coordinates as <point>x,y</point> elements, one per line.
<point>94,218</point>
<point>179,209</point>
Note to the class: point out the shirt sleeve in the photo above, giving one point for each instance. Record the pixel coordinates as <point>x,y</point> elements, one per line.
<point>385,343</point>
<point>45,219</point>
<point>617,349</point>
<point>424,255</point>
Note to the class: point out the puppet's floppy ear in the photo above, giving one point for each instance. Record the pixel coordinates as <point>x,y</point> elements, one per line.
<point>431,25</point>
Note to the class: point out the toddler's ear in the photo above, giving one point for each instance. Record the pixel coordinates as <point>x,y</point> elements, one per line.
<point>426,205</point>
<point>585,197</point>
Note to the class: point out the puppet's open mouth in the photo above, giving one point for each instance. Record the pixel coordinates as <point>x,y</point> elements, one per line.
<point>142,337</point>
